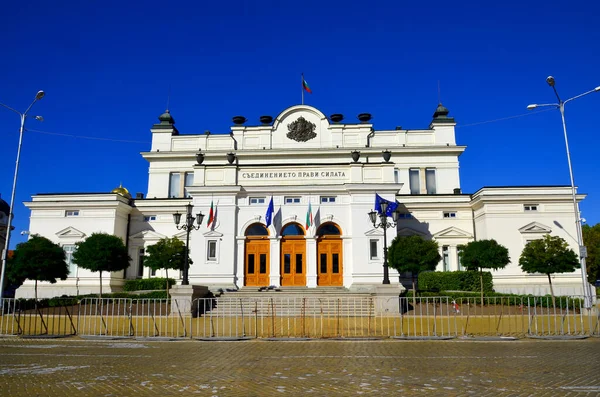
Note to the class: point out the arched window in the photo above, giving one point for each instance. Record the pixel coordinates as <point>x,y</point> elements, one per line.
<point>257,229</point>
<point>329,229</point>
<point>292,229</point>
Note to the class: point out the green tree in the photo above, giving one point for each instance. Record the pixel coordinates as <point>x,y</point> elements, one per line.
<point>413,254</point>
<point>167,253</point>
<point>548,256</point>
<point>38,259</point>
<point>483,254</point>
<point>591,239</point>
<point>101,252</point>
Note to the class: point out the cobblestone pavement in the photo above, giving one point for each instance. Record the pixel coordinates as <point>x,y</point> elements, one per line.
<point>74,367</point>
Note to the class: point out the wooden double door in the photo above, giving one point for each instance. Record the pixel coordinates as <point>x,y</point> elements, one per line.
<point>256,267</point>
<point>329,262</point>
<point>293,261</point>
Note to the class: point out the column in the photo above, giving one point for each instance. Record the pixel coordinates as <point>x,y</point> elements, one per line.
<point>453,264</point>
<point>311,262</point>
<point>240,259</point>
<point>274,261</point>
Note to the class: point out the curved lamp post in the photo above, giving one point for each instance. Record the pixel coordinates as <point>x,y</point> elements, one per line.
<point>587,293</point>
<point>384,223</point>
<point>188,226</point>
<point>23,117</point>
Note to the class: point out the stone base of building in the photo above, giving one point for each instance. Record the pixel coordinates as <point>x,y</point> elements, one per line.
<point>184,299</point>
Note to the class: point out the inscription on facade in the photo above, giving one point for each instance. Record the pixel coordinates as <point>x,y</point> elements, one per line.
<point>294,174</point>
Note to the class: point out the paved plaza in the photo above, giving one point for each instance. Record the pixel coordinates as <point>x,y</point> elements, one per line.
<point>75,367</point>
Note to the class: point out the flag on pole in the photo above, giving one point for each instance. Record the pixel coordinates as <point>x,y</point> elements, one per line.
<point>391,205</point>
<point>211,215</point>
<point>305,85</point>
<point>269,214</point>
<point>309,217</point>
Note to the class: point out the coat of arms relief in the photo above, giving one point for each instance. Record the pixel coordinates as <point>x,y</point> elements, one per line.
<point>301,130</point>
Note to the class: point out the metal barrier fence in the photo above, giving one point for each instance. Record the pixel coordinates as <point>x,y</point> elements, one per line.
<point>305,317</point>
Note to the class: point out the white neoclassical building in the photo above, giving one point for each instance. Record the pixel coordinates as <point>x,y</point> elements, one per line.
<point>311,165</point>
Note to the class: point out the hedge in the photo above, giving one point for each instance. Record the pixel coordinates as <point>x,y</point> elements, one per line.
<point>455,281</point>
<point>147,284</point>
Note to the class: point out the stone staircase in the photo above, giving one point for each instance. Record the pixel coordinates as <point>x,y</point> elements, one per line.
<point>291,302</point>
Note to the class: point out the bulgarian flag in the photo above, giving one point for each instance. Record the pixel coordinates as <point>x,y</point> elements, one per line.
<point>211,215</point>
<point>309,217</point>
<point>305,85</point>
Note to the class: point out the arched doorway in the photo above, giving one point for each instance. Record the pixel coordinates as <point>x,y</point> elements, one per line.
<point>329,255</point>
<point>293,255</point>
<point>256,262</point>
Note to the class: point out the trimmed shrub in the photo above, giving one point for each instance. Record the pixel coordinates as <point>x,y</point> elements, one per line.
<point>147,284</point>
<point>455,281</point>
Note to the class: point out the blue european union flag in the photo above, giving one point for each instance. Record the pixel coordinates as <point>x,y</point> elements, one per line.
<point>392,205</point>
<point>269,214</point>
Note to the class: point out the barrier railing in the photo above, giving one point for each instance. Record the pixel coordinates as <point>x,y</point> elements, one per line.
<point>306,317</point>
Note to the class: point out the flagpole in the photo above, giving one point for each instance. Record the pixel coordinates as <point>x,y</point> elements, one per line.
<point>302,87</point>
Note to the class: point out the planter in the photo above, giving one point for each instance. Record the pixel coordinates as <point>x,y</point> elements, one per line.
<point>239,120</point>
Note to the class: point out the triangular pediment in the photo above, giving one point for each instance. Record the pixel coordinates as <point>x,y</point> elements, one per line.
<point>408,231</point>
<point>70,232</point>
<point>181,235</point>
<point>374,232</point>
<point>212,233</point>
<point>148,235</point>
<point>453,232</point>
<point>535,227</point>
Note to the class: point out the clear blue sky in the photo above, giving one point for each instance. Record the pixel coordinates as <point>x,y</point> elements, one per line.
<point>107,68</point>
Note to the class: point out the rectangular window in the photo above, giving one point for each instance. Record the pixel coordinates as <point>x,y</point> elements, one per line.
<point>298,263</point>
<point>328,199</point>
<point>449,214</point>
<point>415,183</point>
<point>292,200</point>
<point>323,263</point>
<point>287,263</point>
<point>211,250</point>
<point>174,182</point>
<point>335,263</point>
<point>263,263</point>
<point>149,218</point>
<point>405,215</point>
<point>530,207</point>
<point>446,258</point>
<point>396,176</point>
<point>188,181</point>
<point>250,263</point>
<point>257,200</point>
<point>141,256</point>
<point>72,213</point>
<point>69,250</point>
<point>430,181</point>
<point>373,249</point>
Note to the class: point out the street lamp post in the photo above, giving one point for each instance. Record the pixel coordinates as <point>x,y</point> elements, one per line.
<point>23,117</point>
<point>188,226</point>
<point>384,223</point>
<point>587,293</point>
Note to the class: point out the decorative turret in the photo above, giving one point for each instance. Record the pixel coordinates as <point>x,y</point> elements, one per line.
<point>121,191</point>
<point>166,122</point>
<point>441,115</point>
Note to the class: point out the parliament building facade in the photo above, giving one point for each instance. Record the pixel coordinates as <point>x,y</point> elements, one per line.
<point>322,174</point>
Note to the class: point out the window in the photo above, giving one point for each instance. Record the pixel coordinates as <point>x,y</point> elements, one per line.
<point>446,258</point>
<point>141,256</point>
<point>415,184</point>
<point>211,250</point>
<point>530,207</point>
<point>328,199</point>
<point>174,181</point>
<point>396,176</point>
<point>405,215</point>
<point>72,213</point>
<point>449,214</point>
<point>292,200</point>
<point>69,250</point>
<point>257,200</point>
<point>430,181</point>
<point>188,181</point>
<point>373,249</point>
<point>149,218</point>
